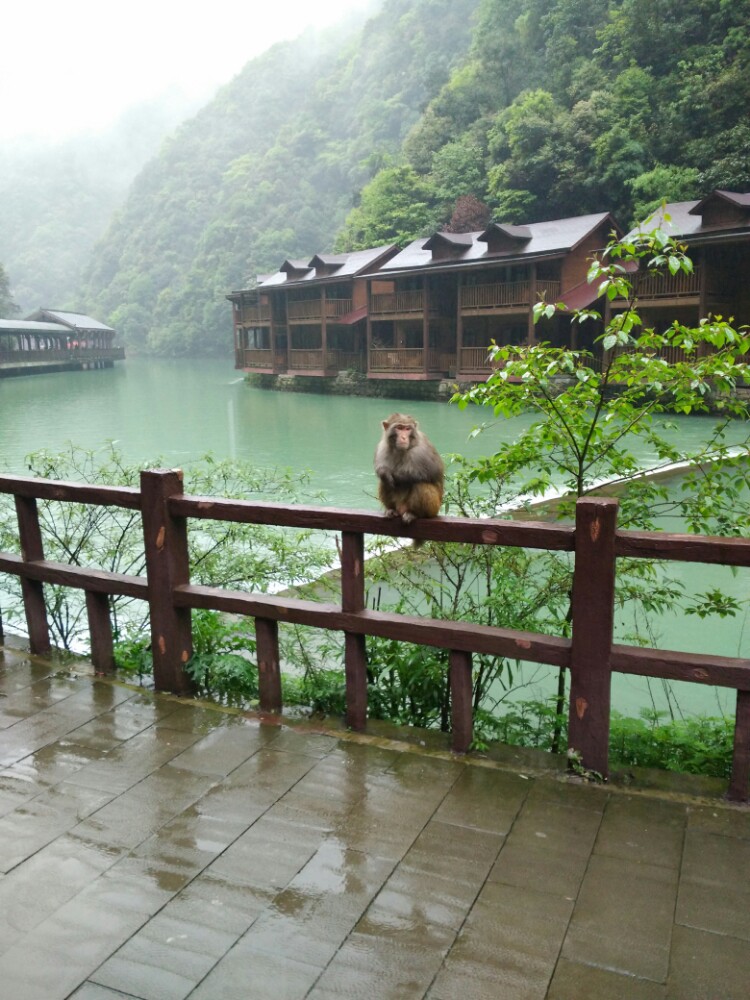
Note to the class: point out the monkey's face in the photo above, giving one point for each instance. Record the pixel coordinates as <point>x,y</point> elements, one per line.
<point>402,436</point>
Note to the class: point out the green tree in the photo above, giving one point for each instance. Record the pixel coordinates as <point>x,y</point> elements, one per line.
<point>397,206</point>
<point>8,308</point>
<point>590,408</point>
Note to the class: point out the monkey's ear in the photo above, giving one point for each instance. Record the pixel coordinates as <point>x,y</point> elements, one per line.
<point>385,424</point>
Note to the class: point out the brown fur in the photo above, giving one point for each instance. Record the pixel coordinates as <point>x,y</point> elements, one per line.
<point>409,469</point>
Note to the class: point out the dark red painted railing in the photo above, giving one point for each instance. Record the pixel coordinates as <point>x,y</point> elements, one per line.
<point>590,655</point>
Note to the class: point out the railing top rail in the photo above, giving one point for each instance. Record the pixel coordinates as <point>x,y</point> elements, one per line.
<point>57,489</point>
<point>682,547</point>
<point>481,531</point>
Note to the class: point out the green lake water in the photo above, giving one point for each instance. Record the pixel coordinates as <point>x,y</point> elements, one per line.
<point>174,411</point>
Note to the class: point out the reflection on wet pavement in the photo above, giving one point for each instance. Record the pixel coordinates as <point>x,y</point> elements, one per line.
<point>155,849</point>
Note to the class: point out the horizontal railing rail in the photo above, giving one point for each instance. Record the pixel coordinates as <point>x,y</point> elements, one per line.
<point>590,654</point>
<point>63,354</point>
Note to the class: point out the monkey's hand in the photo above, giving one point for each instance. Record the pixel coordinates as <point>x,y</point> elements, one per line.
<point>387,477</point>
<point>407,517</point>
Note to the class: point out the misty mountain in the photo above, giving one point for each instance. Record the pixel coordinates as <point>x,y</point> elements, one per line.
<point>429,113</point>
<point>269,169</point>
<point>57,199</point>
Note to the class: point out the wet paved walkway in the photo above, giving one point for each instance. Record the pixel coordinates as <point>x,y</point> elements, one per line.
<point>160,850</point>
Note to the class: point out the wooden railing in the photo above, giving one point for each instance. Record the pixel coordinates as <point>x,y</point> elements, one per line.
<point>655,286</point>
<point>396,359</point>
<point>64,354</point>
<point>475,359</point>
<point>508,293</point>
<point>397,302</point>
<point>252,315</point>
<point>257,357</point>
<point>337,307</point>
<point>305,360</point>
<point>312,309</point>
<point>590,655</point>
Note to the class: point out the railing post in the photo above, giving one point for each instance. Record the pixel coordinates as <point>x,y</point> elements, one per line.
<point>32,549</point>
<point>462,722</point>
<point>167,567</point>
<point>593,621</point>
<point>100,631</point>
<point>269,671</point>
<point>738,784</point>
<point>355,651</point>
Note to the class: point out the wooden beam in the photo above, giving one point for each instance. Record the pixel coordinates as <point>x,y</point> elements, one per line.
<point>593,620</point>
<point>165,538</point>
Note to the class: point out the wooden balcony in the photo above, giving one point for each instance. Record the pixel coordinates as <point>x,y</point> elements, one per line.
<point>258,358</point>
<point>475,359</point>
<point>397,303</point>
<point>311,310</point>
<point>331,360</point>
<point>667,286</point>
<point>504,295</point>
<point>257,315</point>
<point>410,359</point>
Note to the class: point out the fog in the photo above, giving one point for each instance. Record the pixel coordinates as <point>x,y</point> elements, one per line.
<point>75,67</point>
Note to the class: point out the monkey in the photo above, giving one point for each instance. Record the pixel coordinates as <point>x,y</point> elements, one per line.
<point>410,472</point>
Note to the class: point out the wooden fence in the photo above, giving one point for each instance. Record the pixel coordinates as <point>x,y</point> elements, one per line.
<point>590,655</point>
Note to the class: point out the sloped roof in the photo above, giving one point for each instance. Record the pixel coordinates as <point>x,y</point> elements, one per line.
<point>684,219</point>
<point>534,240</point>
<point>347,265</point>
<point>733,197</point>
<point>31,326</point>
<point>71,320</point>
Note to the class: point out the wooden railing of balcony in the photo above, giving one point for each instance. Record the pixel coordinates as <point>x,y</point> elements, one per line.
<point>440,361</point>
<point>475,359</point>
<point>253,315</point>
<point>396,359</point>
<point>311,309</point>
<point>590,655</point>
<point>346,360</point>
<point>307,309</point>
<point>396,303</point>
<point>509,293</point>
<point>338,307</point>
<point>305,360</point>
<point>258,357</point>
<point>656,286</point>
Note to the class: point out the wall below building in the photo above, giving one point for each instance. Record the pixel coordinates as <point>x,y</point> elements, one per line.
<point>348,383</point>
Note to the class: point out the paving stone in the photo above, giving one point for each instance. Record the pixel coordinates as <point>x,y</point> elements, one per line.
<point>715,884</point>
<point>244,974</point>
<point>548,848</point>
<point>730,821</point>
<point>384,967</point>
<point>708,967</point>
<point>484,799</point>
<point>646,830</point>
<point>91,991</point>
<point>508,946</point>
<point>179,851</point>
<point>623,918</point>
<point>573,981</point>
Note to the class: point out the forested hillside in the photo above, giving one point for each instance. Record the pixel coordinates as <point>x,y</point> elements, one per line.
<point>522,109</point>
<point>269,169</point>
<point>565,107</point>
<point>56,199</point>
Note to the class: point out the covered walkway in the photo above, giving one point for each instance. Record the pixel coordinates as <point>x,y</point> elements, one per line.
<point>159,849</point>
